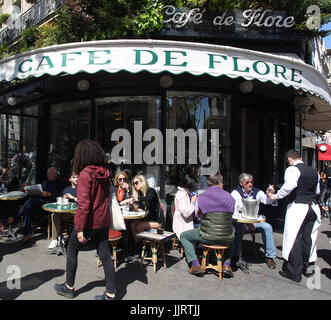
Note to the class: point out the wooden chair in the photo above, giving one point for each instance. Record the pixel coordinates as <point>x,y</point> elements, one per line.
<point>219,251</point>
<point>176,244</point>
<point>113,238</point>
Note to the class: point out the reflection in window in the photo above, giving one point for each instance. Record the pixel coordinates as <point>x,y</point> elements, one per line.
<point>198,110</point>
<point>122,112</point>
<point>19,145</point>
<point>70,123</point>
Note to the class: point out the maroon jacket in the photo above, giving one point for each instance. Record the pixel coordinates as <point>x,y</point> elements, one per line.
<point>93,199</point>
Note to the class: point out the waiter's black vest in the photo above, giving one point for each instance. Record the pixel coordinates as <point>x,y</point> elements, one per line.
<point>305,190</point>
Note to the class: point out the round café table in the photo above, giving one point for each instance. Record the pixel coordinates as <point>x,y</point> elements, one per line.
<point>53,208</point>
<point>241,264</point>
<point>133,215</point>
<point>11,200</point>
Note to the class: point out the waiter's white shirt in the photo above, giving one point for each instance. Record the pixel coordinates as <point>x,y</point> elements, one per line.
<point>291,177</point>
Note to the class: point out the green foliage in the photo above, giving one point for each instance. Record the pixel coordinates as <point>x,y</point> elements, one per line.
<point>49,34</point>
<point>4,17</point>
<point>29,37</point>
<point>84,20</point>
<point>148,19</point>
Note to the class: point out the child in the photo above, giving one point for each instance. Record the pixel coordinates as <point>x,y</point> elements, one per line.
<point>70,193</point>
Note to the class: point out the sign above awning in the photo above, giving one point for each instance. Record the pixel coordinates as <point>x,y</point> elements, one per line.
<point>158,56</point>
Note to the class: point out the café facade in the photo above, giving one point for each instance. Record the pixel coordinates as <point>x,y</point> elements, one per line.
<point>240,97</point>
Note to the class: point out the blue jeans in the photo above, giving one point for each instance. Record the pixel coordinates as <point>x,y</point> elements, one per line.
<point>29,210</point>
<point>267,236</point>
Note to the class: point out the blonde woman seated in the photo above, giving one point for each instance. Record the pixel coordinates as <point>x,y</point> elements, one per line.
<point>148,201</point>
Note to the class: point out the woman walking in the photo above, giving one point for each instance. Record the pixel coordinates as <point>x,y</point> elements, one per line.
<point>92,218</point>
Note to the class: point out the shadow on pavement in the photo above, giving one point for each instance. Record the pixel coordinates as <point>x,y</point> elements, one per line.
<point>27,283</point>
<point>130,273</point>
<point>325,254</point>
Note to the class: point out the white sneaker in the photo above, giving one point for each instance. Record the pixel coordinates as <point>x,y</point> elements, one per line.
<point>53,244</point>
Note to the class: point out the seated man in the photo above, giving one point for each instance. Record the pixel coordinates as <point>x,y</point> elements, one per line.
<point>215,208</point>
<point>70,193</point>
<point>52,188</point>
<point>246,190</point>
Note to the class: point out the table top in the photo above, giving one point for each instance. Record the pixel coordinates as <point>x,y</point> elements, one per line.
<point>153,235</point>
<point>11,196</point>
<point>128,215</point>
<point>54,207</point>
<point>241,219</point>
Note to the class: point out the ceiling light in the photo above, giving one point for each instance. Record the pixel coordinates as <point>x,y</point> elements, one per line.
<point>83,85</point>
<point>12,101</point>
<point>246,86</point>
<point>166,81</point>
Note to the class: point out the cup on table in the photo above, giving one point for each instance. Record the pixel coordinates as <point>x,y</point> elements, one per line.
<point>65,201</point>
<point>135,207</point>
<point>59,200</point>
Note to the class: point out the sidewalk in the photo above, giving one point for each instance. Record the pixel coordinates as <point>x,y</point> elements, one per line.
<point>37,273</point>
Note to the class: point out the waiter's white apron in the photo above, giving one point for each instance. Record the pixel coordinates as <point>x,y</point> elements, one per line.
<point>295,214</point>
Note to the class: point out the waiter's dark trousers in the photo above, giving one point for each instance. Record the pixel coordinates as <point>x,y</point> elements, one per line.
<point>299,256</point>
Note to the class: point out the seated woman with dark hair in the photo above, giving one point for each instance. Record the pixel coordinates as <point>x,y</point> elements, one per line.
<point>184,206</point>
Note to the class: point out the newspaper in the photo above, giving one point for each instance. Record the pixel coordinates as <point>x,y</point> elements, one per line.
<point>34,189</point>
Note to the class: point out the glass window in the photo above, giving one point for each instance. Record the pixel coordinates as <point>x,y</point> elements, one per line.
<point>129,113</point>
<point>70,122</point>
<point>21,147</point>
<point>198,110</point>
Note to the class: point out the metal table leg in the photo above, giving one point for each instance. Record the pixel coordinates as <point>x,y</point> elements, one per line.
<point>241,264</point>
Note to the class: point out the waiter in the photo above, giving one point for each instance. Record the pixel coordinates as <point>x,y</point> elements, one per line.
<point>303,217</point>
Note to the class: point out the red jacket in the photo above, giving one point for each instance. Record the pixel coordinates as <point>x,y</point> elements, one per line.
<point>93,199</point>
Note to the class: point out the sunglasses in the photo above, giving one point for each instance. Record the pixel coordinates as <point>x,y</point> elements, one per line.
<point>248,182</point>
<point>121,179</point>
<point>136,182</point>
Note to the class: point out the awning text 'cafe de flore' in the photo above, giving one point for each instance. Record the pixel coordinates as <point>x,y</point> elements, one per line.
<point>239,85</point>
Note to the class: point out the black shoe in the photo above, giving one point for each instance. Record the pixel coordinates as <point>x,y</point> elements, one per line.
<point>289,276</point>
<point>62,289</point>
<point>103,297</point>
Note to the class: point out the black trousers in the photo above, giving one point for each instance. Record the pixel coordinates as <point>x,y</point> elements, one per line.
<point>100,238</point>
<point>298,260</point>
